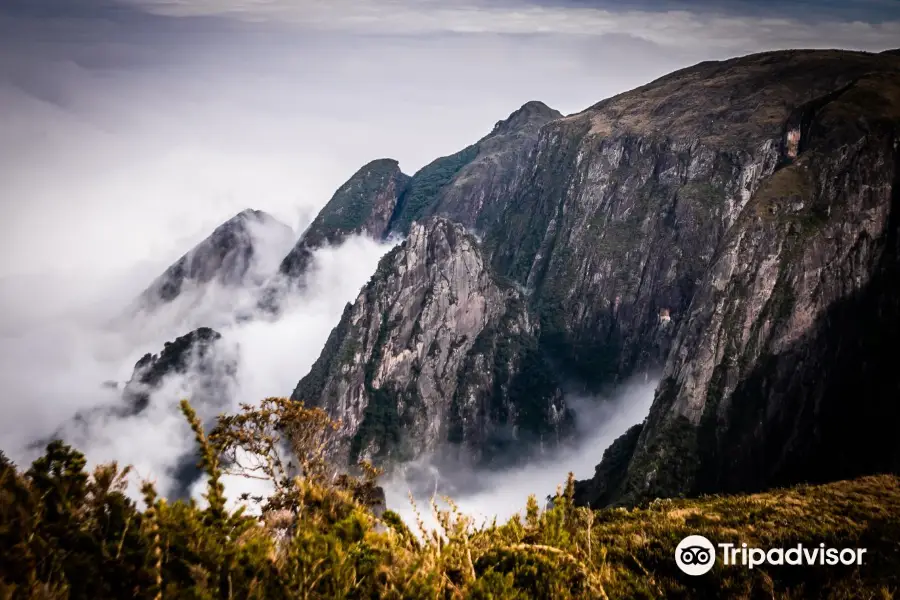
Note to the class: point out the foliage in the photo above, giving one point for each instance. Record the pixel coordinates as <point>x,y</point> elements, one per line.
<point>424,189</point>
<point>352,204</point>
<point>67,534</point>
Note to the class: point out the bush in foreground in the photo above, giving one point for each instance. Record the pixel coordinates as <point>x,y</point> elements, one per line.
<point>65,533</point>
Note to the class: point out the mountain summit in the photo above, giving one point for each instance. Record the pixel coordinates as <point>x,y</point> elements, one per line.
<point>243,250</point>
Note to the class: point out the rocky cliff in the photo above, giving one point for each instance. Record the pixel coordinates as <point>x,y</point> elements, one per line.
<point>472,186</point>
<point>778,372</point>
<point>626,203</point>
<point>243,250</point>
<point>196,365</point>
<point>469,187</point>
<point>730,224</point>
<point>194,354</point>
<point>363,205</point>
<point>436,353</point>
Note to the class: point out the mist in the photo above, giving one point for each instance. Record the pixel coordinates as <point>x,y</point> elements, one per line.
<point>55,370</point>
<point>487,494</point>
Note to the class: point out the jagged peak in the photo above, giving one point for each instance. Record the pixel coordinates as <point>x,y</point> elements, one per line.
<point>532,112</point>
<point>241,220</point>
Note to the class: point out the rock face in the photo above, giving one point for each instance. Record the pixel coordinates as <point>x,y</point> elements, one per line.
<point>436,354</point>
<point>472,186</point>
<point>605,486</point>
<point>209,376</point>
<point>779,371</point>
<point>205,371</point>
<point>363,205</point>
<point>626,203</point>
<point>732,225</point>
<point>243,250</point>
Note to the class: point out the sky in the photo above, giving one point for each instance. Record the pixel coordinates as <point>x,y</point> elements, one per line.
<point>129,129</point>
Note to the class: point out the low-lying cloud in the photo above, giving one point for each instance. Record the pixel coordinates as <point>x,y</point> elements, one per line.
<point>56,369</point>
<point>486,494</point>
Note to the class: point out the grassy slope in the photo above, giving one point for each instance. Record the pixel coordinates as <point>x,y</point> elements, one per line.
<point>862,513</point>
<point>66,535</point>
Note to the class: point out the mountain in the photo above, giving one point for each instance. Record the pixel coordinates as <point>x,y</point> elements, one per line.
<point>363,205</point>
<point>436,353</point>
<point>627,203</point>
<point>242,251</point>
<point>195,354</point>
<point>471,186</point>
<point>729,225</point>
<point>379,200</point>
<point>198,367</point>
<point>779,370</point>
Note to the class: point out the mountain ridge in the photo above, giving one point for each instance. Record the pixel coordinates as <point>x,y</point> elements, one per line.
<point>234,254</point>
<point>610,223</point>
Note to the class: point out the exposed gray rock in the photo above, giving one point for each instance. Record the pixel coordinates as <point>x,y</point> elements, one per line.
<point>469,187</point>
<point>472,186</point>
<point>625,204</point>
<point>436,353</point>
<point>242,251</point>
<point>779,370</point>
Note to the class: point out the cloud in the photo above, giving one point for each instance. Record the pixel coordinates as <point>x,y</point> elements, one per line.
<point>54,369</point>
<point>708,25</point>
<point>486,494</point>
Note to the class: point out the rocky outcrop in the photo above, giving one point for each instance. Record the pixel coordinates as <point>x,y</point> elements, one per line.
<point>625,204</point>
<point>204,371</point>
<point>469,187</point>
<point>363,205</point>
<point>436,355</point>
<point>779,372</point>
<point>472,186</point>
<point>242,251</point>
<point>195,354</point>
<point>208,371</point>
<point>712,223</point>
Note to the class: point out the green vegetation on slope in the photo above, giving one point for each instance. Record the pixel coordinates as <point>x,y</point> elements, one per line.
<point>423,189</point>
<point>352,203</point>
<point>68,534</point>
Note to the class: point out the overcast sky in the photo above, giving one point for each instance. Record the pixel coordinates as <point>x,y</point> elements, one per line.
<point>130,129</point>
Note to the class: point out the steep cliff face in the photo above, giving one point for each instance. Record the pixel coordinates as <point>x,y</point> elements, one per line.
<point>243,250</point>
<point>436,353</point>
<point>779,372</point>
<point>727,223</point>
<point>624,205</point>
<point>363,205</point>
<point>469,187</point>
<point>472,186</point>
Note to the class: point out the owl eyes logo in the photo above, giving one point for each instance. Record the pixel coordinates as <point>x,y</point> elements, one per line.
<point>695,555</point>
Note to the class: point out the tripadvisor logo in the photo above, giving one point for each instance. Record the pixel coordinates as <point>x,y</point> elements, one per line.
<point>696,555</point>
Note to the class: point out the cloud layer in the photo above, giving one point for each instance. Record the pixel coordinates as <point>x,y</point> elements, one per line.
<point>708,25</point>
